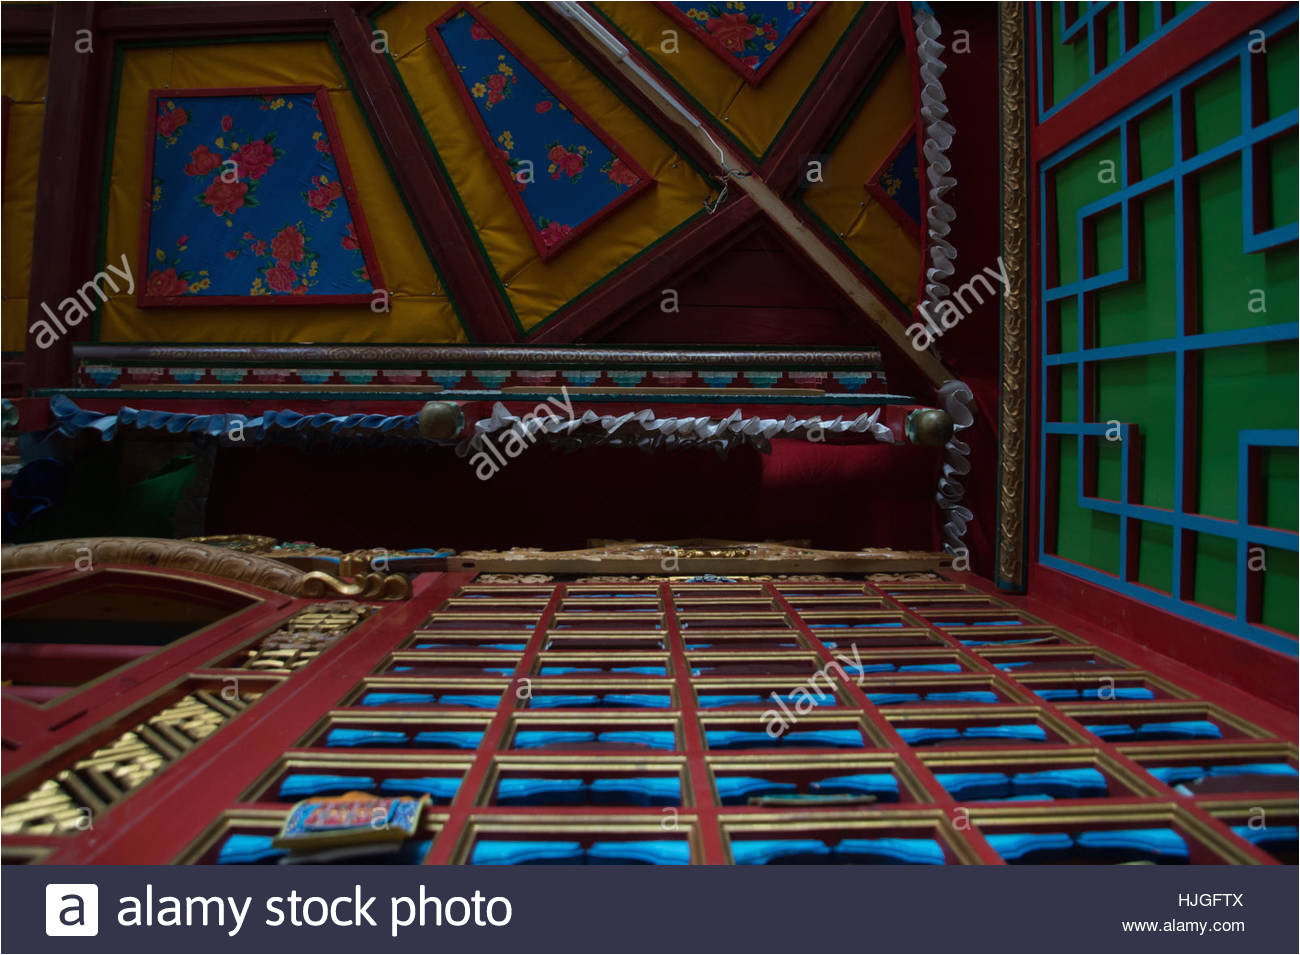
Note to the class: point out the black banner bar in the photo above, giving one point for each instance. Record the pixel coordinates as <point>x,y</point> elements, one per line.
<point>803,909</point>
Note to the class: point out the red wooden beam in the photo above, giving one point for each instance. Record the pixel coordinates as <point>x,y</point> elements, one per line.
<point>27,24</point>
<point>66,663</point>
<point>827,103</point>
<point>467,274</point>
<point>20,722</point>
<point>1200,35</point>
<point>67,190</point>
<point>621,297</point>
<point>132,20</point>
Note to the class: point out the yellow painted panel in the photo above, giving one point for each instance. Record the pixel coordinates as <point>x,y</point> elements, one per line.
<point>22,76</point>
<point>537,289</point>
<point>755,115</point>
<point>421,312</point>
<point>13,318</point>
<point>18,218</point>
<point>844,204</point>
<point>22,79</point>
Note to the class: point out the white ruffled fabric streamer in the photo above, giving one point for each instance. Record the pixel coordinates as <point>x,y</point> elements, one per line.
<point>643,430</point>
<point>938,137</point>
<point>956,397</point>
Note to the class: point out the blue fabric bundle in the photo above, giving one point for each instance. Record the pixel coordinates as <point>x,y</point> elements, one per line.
<point>429,739</point>
<point>738,790</point>
<point>1174,775</point>
<point>926,735</point>
<point>1095,693</point>
<point>645,739</point>
<point>962,696</point>
<point>880,851</point>
<point>1168,729</point>
<point>1272,839</point>
<point>531,852</point>
<point>477,701</point>
<point>612,791</point>
<point>755,739</point>
<point>1160,845</point>
<point>1080,783</point>
<point>865,668</point>
<point>642,701</point>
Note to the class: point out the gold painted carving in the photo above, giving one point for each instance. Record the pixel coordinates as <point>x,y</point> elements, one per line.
<point>155,552</point>
<point>305,636</point>
<point>237,563</point>
<point>366,586</point>
<point>73,798</point>
<point>693,557</point>
<point>1013,402</point>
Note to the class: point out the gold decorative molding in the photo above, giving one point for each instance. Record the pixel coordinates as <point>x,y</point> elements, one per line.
<point>694,557</point>
<point>366,586</point>
<point>1013,391</point>
<point>236,563</point>
<point>159,553</point>
<point>305,636</point>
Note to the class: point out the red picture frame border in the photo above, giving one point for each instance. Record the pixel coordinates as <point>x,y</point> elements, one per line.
<point>752,77</point>
<point>873,186</point>
<point>544,252</point>
<point>337,150</point>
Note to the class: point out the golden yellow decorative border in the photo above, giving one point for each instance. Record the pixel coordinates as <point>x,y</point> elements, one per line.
<point>216,561</point>
<point>1013,399</point>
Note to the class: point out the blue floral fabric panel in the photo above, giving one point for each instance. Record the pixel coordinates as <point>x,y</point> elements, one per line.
<point>246,200</point>
<point>900,180</point>
<point>750,32</point>
<point>564,174</point>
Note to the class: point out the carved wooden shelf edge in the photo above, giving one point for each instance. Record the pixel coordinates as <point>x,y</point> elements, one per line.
<point>238,566</point>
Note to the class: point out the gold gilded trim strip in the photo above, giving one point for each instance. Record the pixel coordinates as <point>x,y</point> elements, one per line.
<point>1013,400</point>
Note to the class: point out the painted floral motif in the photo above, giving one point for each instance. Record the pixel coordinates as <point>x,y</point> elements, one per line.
<point>563,173</point>
<point>567,161</point>
<point>618,172</point>
<point>553,232</point>
<point>246,191</point>
<point>749,32</point>
<point>323,198</point>
<point>170,120</point>
<point>168,279</point>
<point>286,264</point>
<point>496,87</point>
